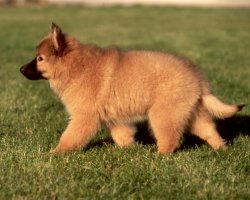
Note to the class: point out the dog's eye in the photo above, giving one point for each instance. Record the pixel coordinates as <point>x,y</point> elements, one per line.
<point>39,58</point>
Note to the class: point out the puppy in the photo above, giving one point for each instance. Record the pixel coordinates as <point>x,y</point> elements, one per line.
<point>107,86</point>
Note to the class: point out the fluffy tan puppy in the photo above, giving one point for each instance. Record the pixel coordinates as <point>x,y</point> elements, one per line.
<point>117,88</point>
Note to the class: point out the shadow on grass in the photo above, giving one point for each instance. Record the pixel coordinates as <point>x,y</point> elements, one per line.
<point>229,129</point>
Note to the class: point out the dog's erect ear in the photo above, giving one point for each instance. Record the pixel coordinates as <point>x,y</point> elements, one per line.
<point>58,38</point>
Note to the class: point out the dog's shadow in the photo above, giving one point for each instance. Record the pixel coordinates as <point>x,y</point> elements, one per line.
<point>229,129</point>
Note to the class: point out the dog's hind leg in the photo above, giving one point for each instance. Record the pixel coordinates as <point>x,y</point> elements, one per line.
<point>123,135</point>
<point>78,133</point>
<point>204,127</point>
<point>168,125</point>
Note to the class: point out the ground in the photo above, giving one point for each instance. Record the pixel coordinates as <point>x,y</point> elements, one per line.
<point>32,118</point>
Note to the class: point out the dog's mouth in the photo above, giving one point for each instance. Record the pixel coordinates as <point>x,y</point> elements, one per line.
<point>30,71</point>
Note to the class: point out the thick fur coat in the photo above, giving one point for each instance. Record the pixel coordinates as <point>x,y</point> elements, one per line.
<point>117,88</point>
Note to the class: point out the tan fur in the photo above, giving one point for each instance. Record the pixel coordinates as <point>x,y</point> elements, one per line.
<point>123,135</point>
<point>119,88</point>
<point>217,108</point>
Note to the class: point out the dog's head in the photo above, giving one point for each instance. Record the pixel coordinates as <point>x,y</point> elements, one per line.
<point>48,53</point>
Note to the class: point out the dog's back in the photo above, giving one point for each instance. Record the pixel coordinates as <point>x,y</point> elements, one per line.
<point>139,78</point>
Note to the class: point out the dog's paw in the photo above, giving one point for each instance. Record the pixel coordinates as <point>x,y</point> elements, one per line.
<point>52,151</point>
<point>56,150</point>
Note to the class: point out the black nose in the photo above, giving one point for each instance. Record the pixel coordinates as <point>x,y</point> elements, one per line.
<point>22,69</point>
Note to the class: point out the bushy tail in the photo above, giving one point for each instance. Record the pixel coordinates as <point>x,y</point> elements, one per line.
<point>219,109</point>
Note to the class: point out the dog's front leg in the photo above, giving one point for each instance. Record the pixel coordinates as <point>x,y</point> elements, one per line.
<point>78,133</point>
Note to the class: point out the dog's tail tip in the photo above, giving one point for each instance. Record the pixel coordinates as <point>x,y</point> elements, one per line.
<point>241,106</point>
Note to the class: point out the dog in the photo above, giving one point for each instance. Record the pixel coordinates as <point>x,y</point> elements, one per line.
<point>116,88</point>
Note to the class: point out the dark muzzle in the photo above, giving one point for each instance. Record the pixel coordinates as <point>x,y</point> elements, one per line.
<point>30,71</point>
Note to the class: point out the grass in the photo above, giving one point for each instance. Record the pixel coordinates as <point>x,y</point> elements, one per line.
<point>32,118</point>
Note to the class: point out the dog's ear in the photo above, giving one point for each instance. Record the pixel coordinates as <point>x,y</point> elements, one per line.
<point>58,38</point>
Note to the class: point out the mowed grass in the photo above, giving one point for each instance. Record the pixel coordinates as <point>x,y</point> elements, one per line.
<point>32,117</point>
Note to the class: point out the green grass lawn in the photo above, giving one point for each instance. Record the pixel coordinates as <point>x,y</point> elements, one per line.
<point>32,118</point>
